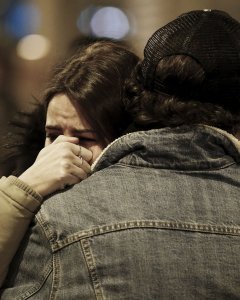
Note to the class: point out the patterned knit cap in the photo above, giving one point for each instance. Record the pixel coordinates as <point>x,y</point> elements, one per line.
<point>212,38</point>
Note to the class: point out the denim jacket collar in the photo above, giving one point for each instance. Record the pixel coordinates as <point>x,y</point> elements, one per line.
<point>198,147</point>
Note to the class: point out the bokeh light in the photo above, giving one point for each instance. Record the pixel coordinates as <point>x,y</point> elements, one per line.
<point>33,47</point>
<point>83,21</point>
<point>22,19</point>
<point>110,22</point>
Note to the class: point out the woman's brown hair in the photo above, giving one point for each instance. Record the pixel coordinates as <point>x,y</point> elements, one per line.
<point>93,79</point>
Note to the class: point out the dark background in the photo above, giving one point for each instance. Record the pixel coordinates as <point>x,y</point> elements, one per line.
<point>61,24</point>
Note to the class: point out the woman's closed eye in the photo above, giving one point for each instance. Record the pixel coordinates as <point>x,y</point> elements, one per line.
<point>87,140</point>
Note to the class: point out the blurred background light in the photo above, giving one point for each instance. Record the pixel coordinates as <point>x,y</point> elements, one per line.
<point>71,24</point>
<point>84,20</point>
<point>4,6</point>
<point>22,19</point>
<point>110,22</point>
<point>33,47</point>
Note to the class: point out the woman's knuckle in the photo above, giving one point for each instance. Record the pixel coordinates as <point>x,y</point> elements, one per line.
<point>66,165</point>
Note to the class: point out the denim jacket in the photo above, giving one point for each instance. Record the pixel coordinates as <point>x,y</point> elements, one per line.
<point>159,218</point>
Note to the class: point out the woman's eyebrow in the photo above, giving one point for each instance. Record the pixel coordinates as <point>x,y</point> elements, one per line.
<point>53,127</point>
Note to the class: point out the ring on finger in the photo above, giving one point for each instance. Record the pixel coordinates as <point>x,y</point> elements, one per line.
<point>80,155</point>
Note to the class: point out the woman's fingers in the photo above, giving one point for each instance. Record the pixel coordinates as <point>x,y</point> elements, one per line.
<point>82,164</point>
<point>63,138</point>
<point>73,143</point>
<point>75,166</point>
<point>83,152</point>
<point>65,142</point>
<point>72,175</point>
<point>60,164</point>
<point>74,162</point>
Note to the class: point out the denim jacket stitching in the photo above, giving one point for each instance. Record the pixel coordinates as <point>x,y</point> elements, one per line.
<point>33,290</point>
<point>223,166</point>
<point>210,129</point>
<point>56,275</point>
<point>51,235</point>
<point>135,224</point>
<point>92,268</point>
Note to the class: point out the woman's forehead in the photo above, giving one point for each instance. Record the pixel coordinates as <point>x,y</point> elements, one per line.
<point>62,113</point>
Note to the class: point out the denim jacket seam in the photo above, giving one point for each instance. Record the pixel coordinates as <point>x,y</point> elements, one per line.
<point>204,170</point>
<point>36,287</point>
<point>56,275</point>
<point>49,233</point>
<point>138,224</point>
<point>135,166</point>
<point>86,248</point>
